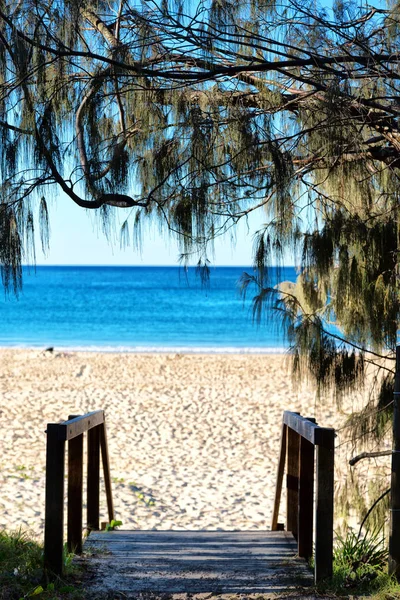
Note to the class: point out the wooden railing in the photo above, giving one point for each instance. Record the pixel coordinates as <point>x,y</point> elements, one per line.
<point>58,434</point>
<point>301,440</point>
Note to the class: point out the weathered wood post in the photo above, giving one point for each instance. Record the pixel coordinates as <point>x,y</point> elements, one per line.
<point>279,479</point>
<point>306,498</point>
<point>106,470</point>
<point>54,502</point>
<point>292,481</point>
<point>93,479</point>
<point>75,488</point>
<point>394,534</point>
<point>324,507</point>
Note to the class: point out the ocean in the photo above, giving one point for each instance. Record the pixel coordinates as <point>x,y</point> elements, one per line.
<point>137,309</point>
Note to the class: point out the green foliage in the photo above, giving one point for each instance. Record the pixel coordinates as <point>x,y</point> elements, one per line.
<point>360,563</point>
<point>21,571</point>
<point>19,555</point>
<point>113,525</point>
<point>141,495</point>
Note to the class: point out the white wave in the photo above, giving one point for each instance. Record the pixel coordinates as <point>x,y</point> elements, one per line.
<point>157,349</point>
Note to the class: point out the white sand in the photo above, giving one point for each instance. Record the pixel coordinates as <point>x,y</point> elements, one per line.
<point>193,439</point>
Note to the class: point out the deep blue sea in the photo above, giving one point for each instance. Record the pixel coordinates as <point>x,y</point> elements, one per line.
<point>143,309</point>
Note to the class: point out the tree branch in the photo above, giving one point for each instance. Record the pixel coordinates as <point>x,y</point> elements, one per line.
<point>353,461</point>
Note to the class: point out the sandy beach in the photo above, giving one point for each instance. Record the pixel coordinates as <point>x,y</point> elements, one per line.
<point>193,439</point>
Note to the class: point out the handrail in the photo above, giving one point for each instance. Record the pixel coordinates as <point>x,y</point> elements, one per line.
<point>58,434</point>
<point>301,440</point>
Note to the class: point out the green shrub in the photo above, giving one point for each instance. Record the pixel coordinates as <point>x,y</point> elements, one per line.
<point>21,571</point>
<point>360,563</point>
<point>20,555</point>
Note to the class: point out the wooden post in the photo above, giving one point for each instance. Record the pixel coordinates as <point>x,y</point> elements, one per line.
<point>292,481</point>
<point>75,485</point>
<point>106,470</point>
<point>279,479</point>
<point>394,534</point>
<point>54,501</point>
<point>324,510</point>
<point>93,480</point>
<point>306,499</point>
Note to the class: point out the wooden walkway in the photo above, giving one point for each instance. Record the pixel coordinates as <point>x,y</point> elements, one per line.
<point>194,562</point>
<point>131,563</point>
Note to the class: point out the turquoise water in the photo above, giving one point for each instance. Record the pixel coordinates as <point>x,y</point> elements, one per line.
<point>137,309</point>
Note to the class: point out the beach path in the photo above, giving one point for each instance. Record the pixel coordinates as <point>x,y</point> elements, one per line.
<point>133,563</point>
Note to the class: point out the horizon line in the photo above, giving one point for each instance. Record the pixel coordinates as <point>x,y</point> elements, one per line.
<point>149,265</point>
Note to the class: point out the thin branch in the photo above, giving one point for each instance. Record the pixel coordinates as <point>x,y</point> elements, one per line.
<point>353,461</point>
<point>381,497</point>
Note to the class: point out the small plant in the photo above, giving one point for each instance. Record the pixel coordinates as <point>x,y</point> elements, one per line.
<point>148,499</point>
<point>113,525</point>
<point>67,558</point>
<point>117,480</point>
<point>22,474</point>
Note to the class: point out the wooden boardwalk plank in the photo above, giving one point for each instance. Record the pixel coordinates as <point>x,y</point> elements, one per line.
<point>195,562</point>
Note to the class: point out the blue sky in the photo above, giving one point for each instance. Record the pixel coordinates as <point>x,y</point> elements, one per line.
<point>76,239</point>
